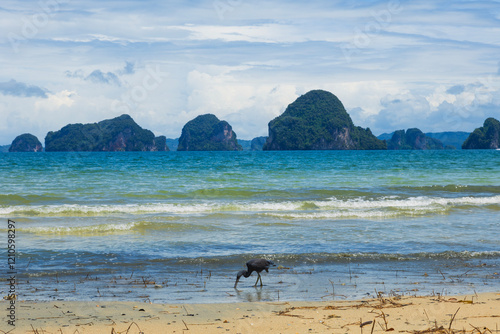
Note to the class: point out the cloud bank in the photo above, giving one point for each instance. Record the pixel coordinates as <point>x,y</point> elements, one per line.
<point>14,88</point>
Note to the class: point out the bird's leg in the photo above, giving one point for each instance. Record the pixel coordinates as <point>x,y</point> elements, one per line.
<point>257,281</point>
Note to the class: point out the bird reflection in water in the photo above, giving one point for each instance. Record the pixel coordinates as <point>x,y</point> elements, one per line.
<point>257,295</point>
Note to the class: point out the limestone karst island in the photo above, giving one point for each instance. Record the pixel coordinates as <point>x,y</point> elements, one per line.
<point>316,120</point>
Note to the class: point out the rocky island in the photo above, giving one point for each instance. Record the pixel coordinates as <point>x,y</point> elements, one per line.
<point>450,139</point>
<point>258,143</point>
<point>318,121</point>
<point>413,139</point>
<point>208,133</point>
<point>485,137</point>
<point>118,134</point>
<point>26,143</point>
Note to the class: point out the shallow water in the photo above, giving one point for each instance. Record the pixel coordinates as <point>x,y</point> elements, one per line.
<point>177,226</point>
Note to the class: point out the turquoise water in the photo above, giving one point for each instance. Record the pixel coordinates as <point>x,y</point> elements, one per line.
<point>177,226</point>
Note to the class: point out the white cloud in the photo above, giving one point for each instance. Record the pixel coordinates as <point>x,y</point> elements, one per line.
<point>439,96</point>
<point>366,95</point>
<point>247,107</point>
<point>219,94</point>
<point>56,101</point>
<point>437,110</point>
<point>265,33</point>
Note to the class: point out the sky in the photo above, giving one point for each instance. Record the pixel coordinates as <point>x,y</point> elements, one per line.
<point>394,64</point>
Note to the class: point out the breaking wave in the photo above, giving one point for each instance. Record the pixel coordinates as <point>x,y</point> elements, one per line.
<point>359,207</point>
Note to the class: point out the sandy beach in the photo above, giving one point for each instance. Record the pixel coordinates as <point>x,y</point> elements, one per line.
<point>478,313</point>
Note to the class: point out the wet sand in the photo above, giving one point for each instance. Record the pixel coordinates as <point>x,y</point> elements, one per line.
<point>477,313</point>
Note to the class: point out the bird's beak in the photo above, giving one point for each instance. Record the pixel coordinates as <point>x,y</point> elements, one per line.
<point>236,283</point>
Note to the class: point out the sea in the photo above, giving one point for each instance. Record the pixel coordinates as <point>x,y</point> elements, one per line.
<point>176,227</point>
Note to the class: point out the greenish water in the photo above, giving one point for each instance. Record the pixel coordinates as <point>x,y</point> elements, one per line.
<point>100,225</point>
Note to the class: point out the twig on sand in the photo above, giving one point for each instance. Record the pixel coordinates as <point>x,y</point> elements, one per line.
<point>427,316</point>
<point>134,323</point>
<point>6,332</point>
<point>453,318</point>
<point>363,324</point>
<point>385,321</point>
<point>113,330</point>
<point>486,330</point>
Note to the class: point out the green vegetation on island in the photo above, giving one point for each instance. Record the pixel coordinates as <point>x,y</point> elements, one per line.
<point>319,121</point>
<point>117,134</point>
<point>413,139</point>
<point>485,137</point>
<point>316,120</point>
<point>252,145</point>
<point>258,143</point>
<point>26,143</point>
<point>245,144</point>
<point>450,139</point>
<point>208,133</point>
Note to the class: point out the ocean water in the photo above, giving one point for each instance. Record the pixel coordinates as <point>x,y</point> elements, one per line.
<point>176,227</point>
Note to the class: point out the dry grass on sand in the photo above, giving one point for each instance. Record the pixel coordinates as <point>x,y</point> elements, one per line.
<point>474,314</point>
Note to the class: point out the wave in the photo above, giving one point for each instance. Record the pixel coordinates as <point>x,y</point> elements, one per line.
<point>319,258</point>
<point>14,199</point>
<point>73,195</point>
<point>331,258</point>
<point>454,188</point>
<point>106,229</point>
<point>333,207</point>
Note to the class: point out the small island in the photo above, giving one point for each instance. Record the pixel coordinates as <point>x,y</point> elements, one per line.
<point>318,121</point>
<point>413,139</point>
<point>258,143</point>
<point>485,137</point>
<point>208,133</point>
<point>26,143</point>
<point>118,134</point>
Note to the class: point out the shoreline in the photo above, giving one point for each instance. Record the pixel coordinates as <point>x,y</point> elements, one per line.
<point>475,313</point>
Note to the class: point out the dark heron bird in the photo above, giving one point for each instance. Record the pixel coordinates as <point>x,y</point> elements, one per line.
<point>256,265</point>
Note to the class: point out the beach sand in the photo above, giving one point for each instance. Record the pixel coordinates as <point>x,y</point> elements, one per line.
<point>479,313</point>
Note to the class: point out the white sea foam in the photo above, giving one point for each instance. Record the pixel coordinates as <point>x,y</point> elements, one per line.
<point>330,208</point>
<point>81,230</point>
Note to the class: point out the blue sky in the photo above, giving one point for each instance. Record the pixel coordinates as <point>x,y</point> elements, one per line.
<point>394,64</point>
